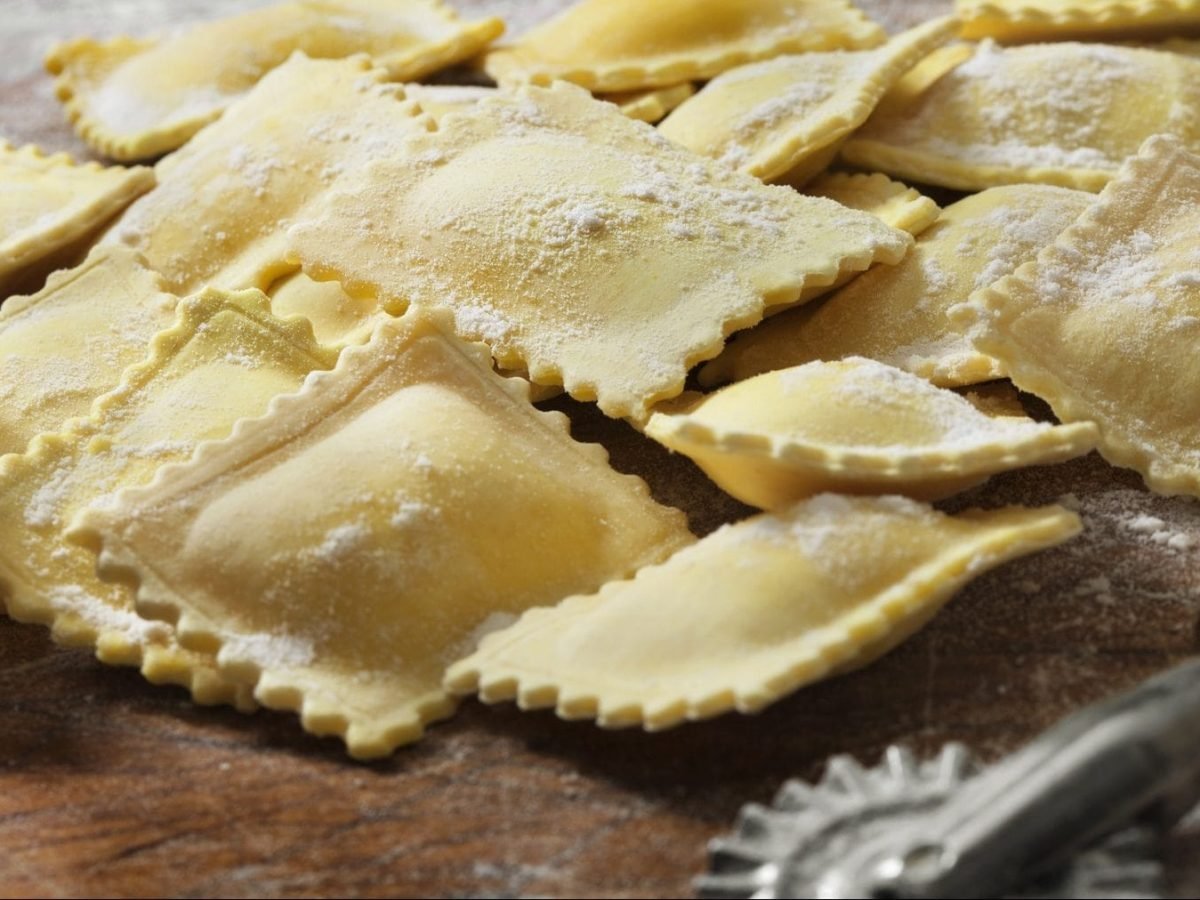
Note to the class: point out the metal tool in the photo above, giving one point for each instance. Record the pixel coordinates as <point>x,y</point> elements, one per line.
<point>1078,812</point>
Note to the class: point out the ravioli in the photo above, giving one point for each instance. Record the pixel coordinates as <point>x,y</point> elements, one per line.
<point>1015,21</point>
<point>337,318</point>
<point>651,105</point>
<point>895,204</point>
<point>645,106</point>
<point>897,314</point>
<point>536,217</point>
<point>1066,114</point>
<point>752,612</point>
<point>629,45</point>
<point>1104,324</point>
<point>784,119</point>
<point>395,528</point>
<point>66,345</point>
<point>853,427</point>
<point>218,214</point>
<point>439,100</point>
<point>224,358</point>
<point>50,204</point>
<point>138,98</point>
<point>339,552</point>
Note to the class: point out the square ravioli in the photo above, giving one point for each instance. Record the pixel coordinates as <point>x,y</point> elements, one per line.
<point>580,245</point>
<point>630,45</point>
<point>49,204</point>
<point>139,98</point>
<point>651,105</point>
<point>897,314</point>
<point>225,357</point>
<point>1067,114</point>
<point>67,344</point>
<point>895,204</point>
<point>219,212</point>
<point>752,612</point>
<point>341,551</point>
<point>784,119</point>
<point>1017,21</point>
<point>1104,325</point>
<point>337,318</point>
<point>438,100</point>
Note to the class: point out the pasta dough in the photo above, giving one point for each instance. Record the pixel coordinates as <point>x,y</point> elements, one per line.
<point>854,426</point>
<point>752,612</point>
<point>224,358</point>
<point>630,45</point>
<point>783,119</point>
<point>218,214</point>
<point>893,203</point>
<point>50,203</point>
<point>139,98</point>
<point>1098,325</point>
<point>897,314</point>
<point>1046,20</point>
<point>341,551</point>
<point>337,318</point>
<point>651,105</point>
<point>1066,114</point>
<point>536,216</point>
<point>66,345</point>
<point>344,554</point>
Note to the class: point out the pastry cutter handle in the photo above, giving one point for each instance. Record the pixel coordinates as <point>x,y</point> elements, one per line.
<point>1133,756</point>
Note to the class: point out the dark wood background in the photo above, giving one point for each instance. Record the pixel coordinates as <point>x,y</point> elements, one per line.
<point>110,786</point>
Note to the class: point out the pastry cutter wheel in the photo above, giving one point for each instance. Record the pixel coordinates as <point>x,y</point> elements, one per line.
<point>1079,812</point>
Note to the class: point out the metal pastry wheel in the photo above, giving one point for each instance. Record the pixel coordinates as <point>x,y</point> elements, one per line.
<point>1079,812</point>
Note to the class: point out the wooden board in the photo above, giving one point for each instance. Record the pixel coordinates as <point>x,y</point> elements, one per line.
<point>110,786</point>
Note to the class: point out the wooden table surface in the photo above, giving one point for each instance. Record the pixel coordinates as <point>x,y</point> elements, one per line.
<point>110,786</point>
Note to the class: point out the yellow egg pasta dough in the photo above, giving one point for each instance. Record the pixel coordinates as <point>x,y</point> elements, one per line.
<point>218,214</point>
<point>752,612</point>
<point>854,427</point>
<point>1068,114</point>
<point>66,345</point>
<point>49,204</point>
<point>897,314</point>
<point>784,119</point>
<point>653,104</point>
<point>1098,325</point>
<point>895,204</point>
<point>137,98</point>
<point>224,358</point>
<point>273,437</point>
<point>628,45</point>
<point>536,216</point>
<point>337,318</point>
<point>1023,21</point>
<point>339,552</point>
<point>438,100</point>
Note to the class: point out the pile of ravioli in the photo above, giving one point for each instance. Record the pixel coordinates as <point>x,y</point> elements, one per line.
<point>267,409</point>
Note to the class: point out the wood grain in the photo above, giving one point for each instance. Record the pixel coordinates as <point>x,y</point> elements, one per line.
<point>111,786</point>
